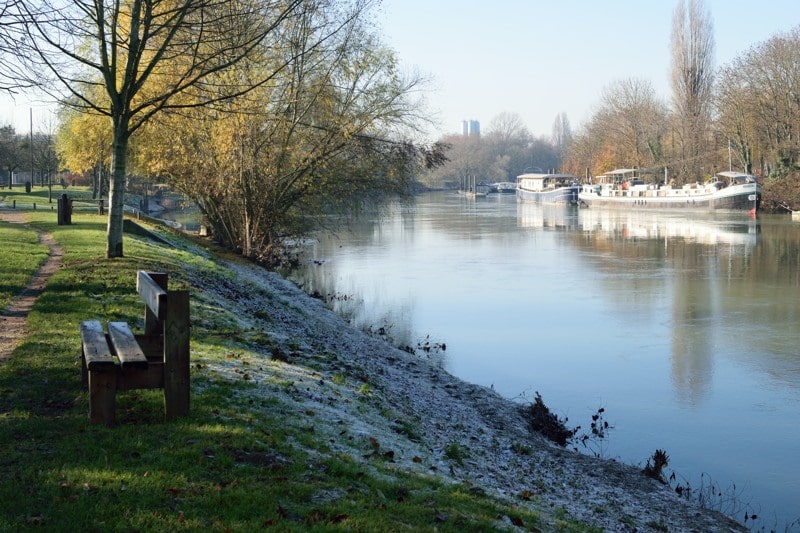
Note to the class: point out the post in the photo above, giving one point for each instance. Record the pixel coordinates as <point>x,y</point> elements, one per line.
<point>64,210</point>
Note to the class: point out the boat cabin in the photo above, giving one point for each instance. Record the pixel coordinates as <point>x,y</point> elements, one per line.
<point>736,178</point>
<point>619,176</point>
<point>545,182</point>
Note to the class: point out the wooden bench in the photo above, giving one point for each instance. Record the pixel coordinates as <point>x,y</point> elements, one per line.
<point>157,359</point>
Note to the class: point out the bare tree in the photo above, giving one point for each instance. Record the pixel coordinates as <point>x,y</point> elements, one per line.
<point>631,120</point>
<point>758,103</point>
<point>562,134</point>
<point>508,127</point>
<point>692,83</point>
<point>505,151</point>
<point>131,60</point>
<point>735,110</point>
<point>11,81</point>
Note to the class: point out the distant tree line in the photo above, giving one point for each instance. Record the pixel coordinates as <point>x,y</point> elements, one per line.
<point>32,155</point>
<point>503,151</point>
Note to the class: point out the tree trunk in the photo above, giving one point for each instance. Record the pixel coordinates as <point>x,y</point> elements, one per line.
<point>116,189</point>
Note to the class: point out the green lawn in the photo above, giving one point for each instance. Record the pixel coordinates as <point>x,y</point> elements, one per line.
<point>46,200</point>
<point>20,257</point>
<point>213,470</point>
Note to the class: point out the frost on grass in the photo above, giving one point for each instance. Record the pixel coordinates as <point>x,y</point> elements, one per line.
<point>367,399</point>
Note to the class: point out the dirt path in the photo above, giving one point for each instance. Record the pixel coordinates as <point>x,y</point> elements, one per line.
<point>14,318</point>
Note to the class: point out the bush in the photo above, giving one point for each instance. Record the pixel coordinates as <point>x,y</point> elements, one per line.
<point>547,423</point>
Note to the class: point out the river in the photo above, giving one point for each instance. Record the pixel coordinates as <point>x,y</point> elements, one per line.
<point>683,328</point>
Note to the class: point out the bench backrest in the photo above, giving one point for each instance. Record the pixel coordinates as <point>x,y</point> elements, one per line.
<point>152,287</point>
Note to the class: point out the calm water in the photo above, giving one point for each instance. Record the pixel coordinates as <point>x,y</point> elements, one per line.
<point>685,329</point>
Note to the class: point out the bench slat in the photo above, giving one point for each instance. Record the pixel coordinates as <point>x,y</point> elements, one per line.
<point>153,295</point>
<point>127,349</point>
<point>96,351</point>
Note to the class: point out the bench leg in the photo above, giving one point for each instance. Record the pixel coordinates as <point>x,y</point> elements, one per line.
<point>176,355</point>
<point>102,397</point>
<point>84,371</point>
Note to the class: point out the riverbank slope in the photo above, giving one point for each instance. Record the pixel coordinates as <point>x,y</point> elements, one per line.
<point>298,421</point>
<point>464,433</point>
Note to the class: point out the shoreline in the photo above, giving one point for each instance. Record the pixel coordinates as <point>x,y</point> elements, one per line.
<point>441,425</point>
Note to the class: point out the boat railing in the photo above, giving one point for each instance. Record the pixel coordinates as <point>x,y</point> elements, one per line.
<point>653,191</point>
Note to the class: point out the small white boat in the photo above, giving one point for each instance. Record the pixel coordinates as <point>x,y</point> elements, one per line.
<point>624,188</point>
<point>548,188</point>
<point>505,187</point>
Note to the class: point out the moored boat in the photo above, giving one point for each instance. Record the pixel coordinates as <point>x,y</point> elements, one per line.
<point>624,188</point>
<point>471,189</point>
<point>548,188</point>
<point>505,187</point>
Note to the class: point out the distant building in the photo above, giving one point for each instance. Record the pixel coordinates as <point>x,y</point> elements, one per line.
<point>470,128</point>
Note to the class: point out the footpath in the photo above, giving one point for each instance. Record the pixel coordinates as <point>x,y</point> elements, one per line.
<point>14,318</point>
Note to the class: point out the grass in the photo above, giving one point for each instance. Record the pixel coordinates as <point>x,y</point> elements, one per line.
<point>44,199</point>
<point>21,257</point>
<point>228,466</point>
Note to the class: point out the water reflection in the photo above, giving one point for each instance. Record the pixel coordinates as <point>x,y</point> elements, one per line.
<point>558,217</point>
<point>690,261</point>
<point>707,230</point>
<point>684,328</point>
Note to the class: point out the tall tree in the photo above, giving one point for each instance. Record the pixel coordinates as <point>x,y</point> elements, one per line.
<point>143,55</point>
<point>692,80</point>
<point>324,136</point>
<point>735,107</point>
<point>631,121</point>
<point>505,148</point>
<point>508,128</point>
<point>562,134</point>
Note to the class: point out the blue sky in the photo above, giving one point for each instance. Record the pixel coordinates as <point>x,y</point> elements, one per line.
<point>540,58</point>
<point>535,58</point>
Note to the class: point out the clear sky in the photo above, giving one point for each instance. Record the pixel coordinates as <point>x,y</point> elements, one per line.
<point>539,58</point>
<point>536,58</point>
